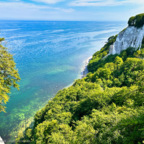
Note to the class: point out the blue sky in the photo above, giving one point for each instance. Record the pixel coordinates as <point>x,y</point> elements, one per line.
<point>93,10</point>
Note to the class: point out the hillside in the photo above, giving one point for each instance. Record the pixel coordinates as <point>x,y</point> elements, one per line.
<point>105,107</point>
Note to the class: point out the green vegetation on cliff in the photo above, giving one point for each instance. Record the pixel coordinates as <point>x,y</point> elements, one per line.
<point>8,75</point>
<point>137,21</point>
<point>105,107</point>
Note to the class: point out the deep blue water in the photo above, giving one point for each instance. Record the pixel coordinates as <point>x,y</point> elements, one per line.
<point>49,55</point>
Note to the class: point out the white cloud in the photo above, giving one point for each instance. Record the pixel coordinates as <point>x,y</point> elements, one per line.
<point>48,1</point>
<point>21,10</point>
<point>104,2</point>
<point>27,6</point>
<point>136,1</point>
<point>29,11</point>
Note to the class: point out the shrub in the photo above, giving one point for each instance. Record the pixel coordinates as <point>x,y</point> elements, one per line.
<point>137,21</point>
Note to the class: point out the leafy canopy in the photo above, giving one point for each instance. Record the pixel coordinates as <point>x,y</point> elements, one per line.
<point>137,21</point>
<point>8,75</point>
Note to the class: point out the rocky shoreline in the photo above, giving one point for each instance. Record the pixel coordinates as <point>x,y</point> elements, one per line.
<point>85,71</point>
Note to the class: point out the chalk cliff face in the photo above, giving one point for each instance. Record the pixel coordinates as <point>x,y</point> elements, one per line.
<point>131,37</point>
<point>1,141</point>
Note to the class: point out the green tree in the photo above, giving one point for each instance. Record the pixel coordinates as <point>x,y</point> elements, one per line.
<point>8,75</point>
<point>118,61</point>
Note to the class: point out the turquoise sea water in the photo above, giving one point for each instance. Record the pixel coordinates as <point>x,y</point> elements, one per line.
<point>49,56</point>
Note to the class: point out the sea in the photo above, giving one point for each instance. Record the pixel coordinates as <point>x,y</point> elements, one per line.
<point>49,55</point>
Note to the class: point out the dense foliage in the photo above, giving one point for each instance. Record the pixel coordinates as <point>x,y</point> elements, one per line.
<point>98,57</point>
<point>105,107</point>
<point>137,21</point>
<point>8,75</point>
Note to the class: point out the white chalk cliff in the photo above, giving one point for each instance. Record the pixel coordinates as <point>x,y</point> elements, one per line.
<point>130,37</point>
<point>1,141</point>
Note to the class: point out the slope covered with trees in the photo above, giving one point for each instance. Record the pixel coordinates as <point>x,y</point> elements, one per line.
<point>8,75</point>
<point>105,107</point>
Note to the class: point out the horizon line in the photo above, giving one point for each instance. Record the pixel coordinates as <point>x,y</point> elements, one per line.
<point>63,20</point>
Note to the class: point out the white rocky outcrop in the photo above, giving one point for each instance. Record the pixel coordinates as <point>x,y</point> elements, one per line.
<point>1,141</point>
<point>131,37</point>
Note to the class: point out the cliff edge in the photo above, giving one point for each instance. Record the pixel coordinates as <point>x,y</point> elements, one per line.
<point>132,36</point>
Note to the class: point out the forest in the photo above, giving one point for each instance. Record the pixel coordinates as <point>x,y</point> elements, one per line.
<point>105,107</point>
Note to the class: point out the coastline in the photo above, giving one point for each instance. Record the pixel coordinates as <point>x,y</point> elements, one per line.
<point>85,68</point>
<point>84,71</point>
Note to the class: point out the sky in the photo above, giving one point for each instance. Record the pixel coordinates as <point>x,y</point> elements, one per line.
<point>75,10</point>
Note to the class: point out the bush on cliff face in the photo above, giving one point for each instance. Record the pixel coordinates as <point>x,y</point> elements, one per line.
<point>8,75</point>
<point>97,58</point>
<point>137,21</point>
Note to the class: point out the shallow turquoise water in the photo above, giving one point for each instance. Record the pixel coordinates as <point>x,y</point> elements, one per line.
<point>49,57</point>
